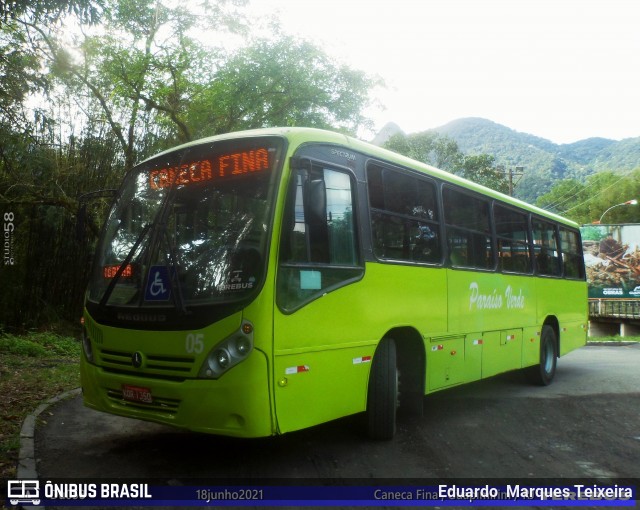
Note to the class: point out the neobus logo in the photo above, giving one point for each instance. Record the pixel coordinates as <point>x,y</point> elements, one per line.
<point>142,317</point>
<point>494,300</point>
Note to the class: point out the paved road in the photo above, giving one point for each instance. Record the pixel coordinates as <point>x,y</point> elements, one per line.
<point>586,424</point>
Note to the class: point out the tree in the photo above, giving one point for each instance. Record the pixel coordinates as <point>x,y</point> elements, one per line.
<point>585,202</point>
<point>48,10</point>
<point>149,69</point>
<point>482,169</point>
<point>443,152</point>
<point>20,46</point>
<point>564,195</point>
<point>428,147</point>
<point>136,71</point>
<point>139,82</point>
<point>282,82</point>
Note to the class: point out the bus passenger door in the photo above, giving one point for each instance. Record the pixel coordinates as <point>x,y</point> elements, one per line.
<point>321,357</point>
<point>501,351</point>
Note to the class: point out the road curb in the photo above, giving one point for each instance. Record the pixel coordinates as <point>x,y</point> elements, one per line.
<point>619,343</point>
<point>27,458</point>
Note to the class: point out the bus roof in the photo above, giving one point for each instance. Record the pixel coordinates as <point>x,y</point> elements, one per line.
<point>300,135</point>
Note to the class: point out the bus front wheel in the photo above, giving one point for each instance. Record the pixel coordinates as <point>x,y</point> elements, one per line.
<point>542,374</point>
<point>382,398</point>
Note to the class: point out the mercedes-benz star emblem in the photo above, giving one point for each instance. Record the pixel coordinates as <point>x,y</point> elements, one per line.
<point>136,359</point>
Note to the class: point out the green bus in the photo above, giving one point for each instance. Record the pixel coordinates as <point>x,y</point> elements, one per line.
<point>265,281</point>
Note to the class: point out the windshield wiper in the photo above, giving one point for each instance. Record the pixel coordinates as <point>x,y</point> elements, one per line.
<point>121,269</point>
<point>159,232</point>
<point>152,227</point>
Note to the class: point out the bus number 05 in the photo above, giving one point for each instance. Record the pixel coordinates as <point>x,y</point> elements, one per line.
<point>194,343</point>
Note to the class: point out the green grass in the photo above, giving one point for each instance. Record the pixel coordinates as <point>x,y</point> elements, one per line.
<point>33,368</point>
<point>614,338</point>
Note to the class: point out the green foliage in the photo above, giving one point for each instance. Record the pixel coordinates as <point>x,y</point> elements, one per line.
<point>113,94</point>
<point>49,10</point>
<point>16,345</point>
<point>562,195</point>
<point>616,339</point>
<point>21,46</point>
<point>19,68</point>
<point>428,147</point>
<point>544,162</point>
<point>587,202</point>
<point>592,233</point>
<point>281,82</point>
<point>482,169</point>
<point>150,78</point>
<point>443,152</point>
<point>585,152</point>
<point>40,345</point>
<point>40,186</point>
<point>33,368</point>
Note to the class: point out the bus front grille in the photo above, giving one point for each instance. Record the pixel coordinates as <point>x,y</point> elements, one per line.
<point>150,364</point>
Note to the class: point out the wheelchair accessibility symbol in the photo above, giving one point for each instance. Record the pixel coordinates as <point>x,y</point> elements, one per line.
<point>158,288</point>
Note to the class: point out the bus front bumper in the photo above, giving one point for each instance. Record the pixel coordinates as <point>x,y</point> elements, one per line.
<point>237,404</point>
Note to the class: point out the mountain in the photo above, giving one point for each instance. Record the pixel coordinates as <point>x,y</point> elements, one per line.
<point>544,162</point>
<point>390,129</point>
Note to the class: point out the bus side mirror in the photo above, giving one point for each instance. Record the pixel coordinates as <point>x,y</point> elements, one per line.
<point>315,202</point>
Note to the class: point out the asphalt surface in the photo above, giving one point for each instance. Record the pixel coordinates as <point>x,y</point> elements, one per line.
<point>585,425</point>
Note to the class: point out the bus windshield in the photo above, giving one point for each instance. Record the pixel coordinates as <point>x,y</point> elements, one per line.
<point>189,227</point>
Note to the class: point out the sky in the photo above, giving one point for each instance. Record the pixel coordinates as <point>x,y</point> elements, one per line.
<point>564,70</point>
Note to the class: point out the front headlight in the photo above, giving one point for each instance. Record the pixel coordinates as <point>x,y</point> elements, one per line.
<point>220,359</point>
<point>232,350</point>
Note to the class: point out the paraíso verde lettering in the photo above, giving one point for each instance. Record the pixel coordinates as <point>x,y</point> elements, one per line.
<point>495,300</point>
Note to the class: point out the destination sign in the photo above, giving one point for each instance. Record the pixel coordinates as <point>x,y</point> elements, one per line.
<point>223,166</point>
<point>111,270</point>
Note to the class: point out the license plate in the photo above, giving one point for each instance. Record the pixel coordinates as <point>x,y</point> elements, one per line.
<point>136,394</point>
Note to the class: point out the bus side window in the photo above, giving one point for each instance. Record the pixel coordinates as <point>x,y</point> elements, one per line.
<point>572,254</point>
<point>512,233</point>
<point>545,245</point>
<point>404,216</point>
<point>468,221</point>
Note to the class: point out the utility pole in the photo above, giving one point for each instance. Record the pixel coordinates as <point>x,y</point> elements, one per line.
<point>514,172</point>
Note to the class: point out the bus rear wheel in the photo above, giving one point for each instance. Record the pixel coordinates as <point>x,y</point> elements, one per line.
<point>382,398</point>
<point>542,374</point>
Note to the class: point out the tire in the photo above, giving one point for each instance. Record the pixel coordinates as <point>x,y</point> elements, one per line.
<point>542,374</point>
<point>382,397</point>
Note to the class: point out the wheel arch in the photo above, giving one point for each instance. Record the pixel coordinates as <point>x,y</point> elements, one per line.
<point>552,321</point>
